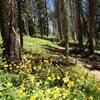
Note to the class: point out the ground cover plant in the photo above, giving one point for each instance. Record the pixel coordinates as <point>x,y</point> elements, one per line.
<point>49,49</point>
<point>38,78</point>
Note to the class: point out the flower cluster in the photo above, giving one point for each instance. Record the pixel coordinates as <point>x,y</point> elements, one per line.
<point>38,79</point>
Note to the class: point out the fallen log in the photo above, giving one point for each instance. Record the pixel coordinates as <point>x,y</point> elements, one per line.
<point>56,61</point>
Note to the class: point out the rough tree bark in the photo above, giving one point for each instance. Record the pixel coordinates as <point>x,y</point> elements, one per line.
<point>63,23</point>
<point>75,5</point>
<point>46,24</point>
<point>91,26</point>
<point>11,44</point>
<point>58,20</point>
<point>20,22</point>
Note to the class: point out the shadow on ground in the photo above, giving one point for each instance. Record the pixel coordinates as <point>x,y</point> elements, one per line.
<point>92,62</point>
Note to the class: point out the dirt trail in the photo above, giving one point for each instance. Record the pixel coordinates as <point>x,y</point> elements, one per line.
<point>92,66</point>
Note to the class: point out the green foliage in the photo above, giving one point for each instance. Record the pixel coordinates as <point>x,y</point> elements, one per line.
<point>43,81</point>
<point>37,46</point>
<point>39,79</point>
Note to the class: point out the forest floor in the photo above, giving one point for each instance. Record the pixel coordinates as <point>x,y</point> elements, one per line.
<point>93,67</point>
<point>48,47</point>
<point>90,63</point>
<point>48,73</point>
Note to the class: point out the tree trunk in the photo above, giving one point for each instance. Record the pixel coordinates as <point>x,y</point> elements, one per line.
<point>80,36</point>
<point>20,22</point>
<point>91,26</point>
<point>59,27</point>
<point>11,44</point>
<point>75,5</point>
<point>47,25</point>
<point>63,23</point>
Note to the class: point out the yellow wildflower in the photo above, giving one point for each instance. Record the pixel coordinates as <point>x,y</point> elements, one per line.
<point>31,78</point>
<point>22,87</point>
<point>98,89</point>
<point>65,80</point>
<point>90,98</point>
<point>39,67</point>
<point>34,68</point>
<point>37,84</point>
<point>57,94</point>
<point>1,94</point>
<point>64,95</point>
<point>15,65</point>
<point>20,92</point>
<point>43,69</point>
<point>46,61</point>
<point>10,65</point>
<point>41,94</point>
<point>4,58</point>
<point>10,68</point>
<point>65,92</point>
<point>5,65</point>
<point>33,57</point>
<point>33,98</point>
<point>53,78</point>
<point>70,84</point>
<point>58,77</point>
<point>49,78</point>
<point>9,84</point>
<point>52,75</point>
